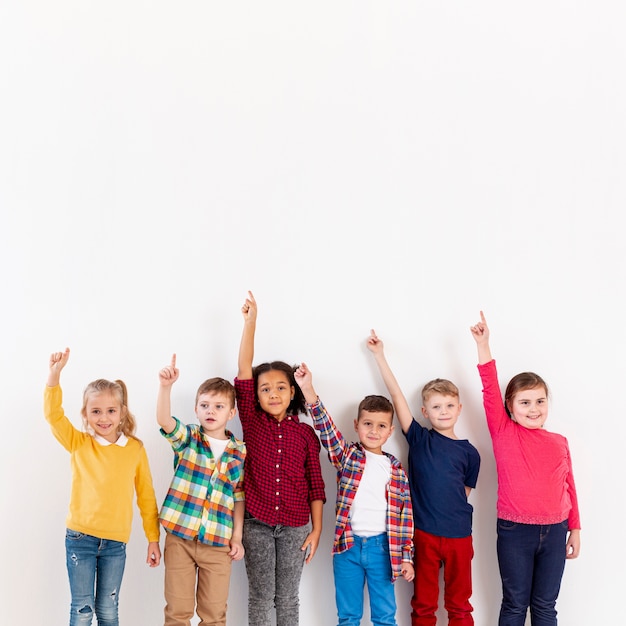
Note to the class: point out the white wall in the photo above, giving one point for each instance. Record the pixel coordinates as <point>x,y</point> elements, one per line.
<point>396,165</point>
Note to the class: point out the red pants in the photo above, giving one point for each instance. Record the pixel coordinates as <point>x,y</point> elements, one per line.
<point>455,555</point>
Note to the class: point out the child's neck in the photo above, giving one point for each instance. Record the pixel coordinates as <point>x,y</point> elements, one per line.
<point>448,432</point>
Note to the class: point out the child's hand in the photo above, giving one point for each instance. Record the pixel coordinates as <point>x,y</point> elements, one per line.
<point>311,542</point>
<point>58,360</point>
<point>480,331</point>
<point>304,379</point>
<point>374,344</point>
<point>408,572</point>
<point>169,375</point>
<point>249,309</point>
<point>303,376</point>
<point>236,550</point>
<point>154,554</point>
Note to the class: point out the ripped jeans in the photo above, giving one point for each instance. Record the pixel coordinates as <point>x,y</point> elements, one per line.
<point>95,568</point>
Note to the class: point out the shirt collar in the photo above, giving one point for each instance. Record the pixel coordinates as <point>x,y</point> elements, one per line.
<point>121,442</point>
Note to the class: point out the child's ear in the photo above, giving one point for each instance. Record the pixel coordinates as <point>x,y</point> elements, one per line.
<point>356,424</point>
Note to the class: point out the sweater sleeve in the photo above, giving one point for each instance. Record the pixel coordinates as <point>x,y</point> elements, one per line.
<point>497,417</point>
<point>63,430</point>
<point>146,500</point>
<point>573,519</point>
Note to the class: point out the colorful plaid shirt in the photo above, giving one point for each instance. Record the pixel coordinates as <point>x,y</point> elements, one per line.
<point>283,472</point>
<point>349,459</point>
<point>200,501</point>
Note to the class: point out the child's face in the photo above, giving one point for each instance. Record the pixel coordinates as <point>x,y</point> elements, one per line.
<point>443,412</point>
<point>214,410</point>
<point>275,393</point>
<point>104,412</point>
<point>374,428</point>
<point>529,407</point>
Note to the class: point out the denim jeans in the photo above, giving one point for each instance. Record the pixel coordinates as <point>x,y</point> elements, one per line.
<point>531,559</point>
<point>274,561</point>
<point>366,561</point>
<point>95,568</point>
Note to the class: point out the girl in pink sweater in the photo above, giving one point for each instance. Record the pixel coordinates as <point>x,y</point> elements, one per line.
<point>538,519</point>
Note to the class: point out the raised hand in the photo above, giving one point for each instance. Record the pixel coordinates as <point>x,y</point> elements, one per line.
<point>169,374</point>
<point>249,308</point>
<point>58,360</point>
<point>480,332</point>
<point>374,343</point>
<point>304,378</point>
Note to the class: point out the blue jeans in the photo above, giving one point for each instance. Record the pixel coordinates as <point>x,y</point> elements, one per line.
<point>531,559</point>
<point>95,568</point>
<point>274,560</point>
<point>366,561</point>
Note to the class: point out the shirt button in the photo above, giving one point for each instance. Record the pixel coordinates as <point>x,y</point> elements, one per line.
<point>276,508</point>
<point>278,480</point>
<point>277,465</point>
<point>278,493</point>
<point>279,450</point>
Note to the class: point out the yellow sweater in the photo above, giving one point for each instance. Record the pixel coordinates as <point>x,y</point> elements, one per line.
<point>104,479</point>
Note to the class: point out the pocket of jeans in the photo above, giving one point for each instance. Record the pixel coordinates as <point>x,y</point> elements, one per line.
<point>73,535</point>
<point>505,524</point>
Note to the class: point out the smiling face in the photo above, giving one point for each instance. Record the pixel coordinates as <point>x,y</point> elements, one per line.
<point>442,411</point>
<point>275,393</point>
<point>214,410</point>
<point>373,429</point>
<point>103,412</point>
<point>529,407</point>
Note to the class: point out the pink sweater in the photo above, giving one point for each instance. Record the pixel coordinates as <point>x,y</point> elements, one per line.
<point>535,479</point>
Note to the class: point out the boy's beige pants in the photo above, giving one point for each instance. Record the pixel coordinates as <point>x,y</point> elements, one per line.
<point>188,562</point>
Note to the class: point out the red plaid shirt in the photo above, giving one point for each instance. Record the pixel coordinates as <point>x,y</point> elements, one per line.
<point>282,467</point>
<point>349,459</point>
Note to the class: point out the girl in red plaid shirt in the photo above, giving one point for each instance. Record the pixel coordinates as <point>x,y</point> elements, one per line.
<point>283,483</point>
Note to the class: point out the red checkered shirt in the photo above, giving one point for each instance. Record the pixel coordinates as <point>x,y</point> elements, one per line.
<point>282,467</point>
<point>349,459</point>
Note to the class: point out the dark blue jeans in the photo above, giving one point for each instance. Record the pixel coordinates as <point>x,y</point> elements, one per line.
<point>95,568</point>
<point>531,559</point>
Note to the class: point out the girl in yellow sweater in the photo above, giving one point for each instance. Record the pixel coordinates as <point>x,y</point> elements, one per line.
<point>109,464</point>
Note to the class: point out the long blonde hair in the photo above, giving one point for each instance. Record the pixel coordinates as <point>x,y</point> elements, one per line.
<point>128,424</point>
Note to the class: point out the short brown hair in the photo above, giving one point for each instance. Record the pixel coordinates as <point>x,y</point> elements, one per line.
<point>440,386</point>
<point>375,404</point>
<point>217,385</point>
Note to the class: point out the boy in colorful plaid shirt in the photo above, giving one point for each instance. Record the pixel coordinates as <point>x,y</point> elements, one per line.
<point>203,509</point>
<point>374,519</point>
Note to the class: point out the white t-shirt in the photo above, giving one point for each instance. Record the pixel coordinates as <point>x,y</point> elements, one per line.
<point>217,447</point>
<point>368,513</point>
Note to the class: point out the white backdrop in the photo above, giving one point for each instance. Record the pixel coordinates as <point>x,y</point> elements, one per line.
<point>396,165</point>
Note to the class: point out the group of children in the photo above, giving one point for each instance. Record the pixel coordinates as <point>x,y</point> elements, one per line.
<point>262,500</point>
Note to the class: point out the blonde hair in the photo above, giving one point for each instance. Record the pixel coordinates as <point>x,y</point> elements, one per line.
<point>128,424</point>
<point>441,386</point>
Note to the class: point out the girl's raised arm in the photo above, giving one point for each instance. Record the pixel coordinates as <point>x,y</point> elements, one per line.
<point>246,348</point>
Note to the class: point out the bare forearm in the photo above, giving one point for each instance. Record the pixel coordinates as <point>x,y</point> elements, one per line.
<point>317,509</point>
<point>484,352</point>
<point>238,511</point>
<point>246,351</point>
<point>397,397</point>
<point>164,409</point>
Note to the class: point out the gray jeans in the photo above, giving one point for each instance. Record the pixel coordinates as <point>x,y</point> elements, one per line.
<point>274,562</point>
